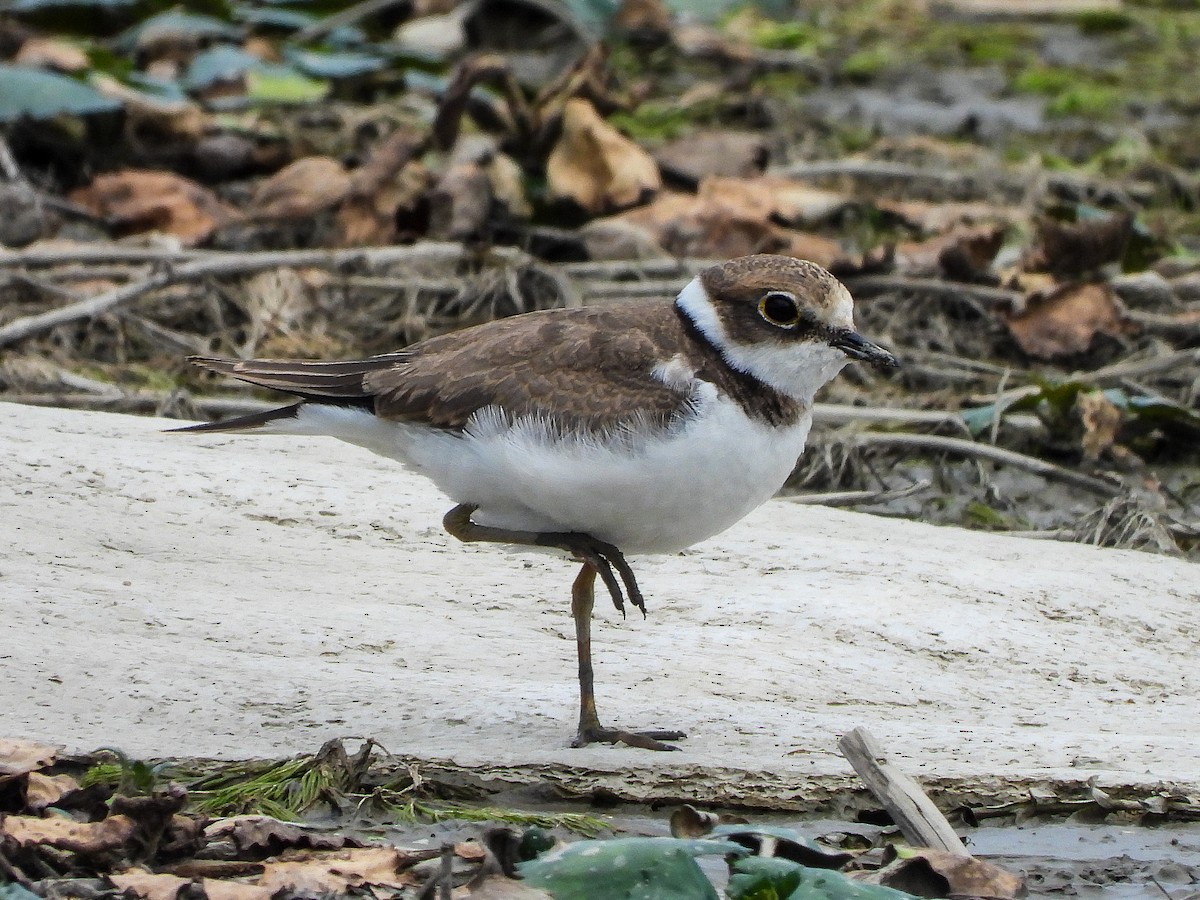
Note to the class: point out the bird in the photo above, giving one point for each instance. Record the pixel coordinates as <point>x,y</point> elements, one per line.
<point>636,428</point>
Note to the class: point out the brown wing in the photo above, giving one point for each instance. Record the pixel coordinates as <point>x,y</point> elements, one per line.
<point>579,368</point>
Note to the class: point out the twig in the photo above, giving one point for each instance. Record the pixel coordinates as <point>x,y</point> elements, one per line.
<point>866,286</point>
<point>1132,368</point>
<point>844,414</point>
<point>349,16</point>
<point>995,454</point>
<point>921,823</point>
<point>854,498</point>
<point>239,264</point>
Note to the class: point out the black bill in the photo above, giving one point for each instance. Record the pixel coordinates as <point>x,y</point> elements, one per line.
<point>855,346</point>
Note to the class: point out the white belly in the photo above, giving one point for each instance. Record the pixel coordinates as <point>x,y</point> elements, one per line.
<point>642,492</point>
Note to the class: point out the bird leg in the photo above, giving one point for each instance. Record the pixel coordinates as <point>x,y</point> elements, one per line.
<point>590,731</point>
<point>602,556</point>
<point>598,558</point>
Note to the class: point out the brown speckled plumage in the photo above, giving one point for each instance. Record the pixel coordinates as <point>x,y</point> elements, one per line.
<point>583,369</point>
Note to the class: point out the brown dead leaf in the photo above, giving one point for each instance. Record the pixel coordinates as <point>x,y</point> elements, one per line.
<point>687,160</point>
<point>313,873</point>
<point>264,836</point>
<point>471,851</point>
<point>1101,421</point>
<point>303,189</point>
<point>150,119</point>
<point>508,184</point>
<point>1069,249</point>
<point>1065,321</point>
<point>706,42</point>
<point>938,218</point>
<point>150,886</point>
<point>936,873</point>
<point>87,838</point>
<point>685,225</point>
<point>782,200</point>
<point>52,53</point>
<point>595,166</point>
<point>46,790</point>
<point>645,22</point>
<point>389,187</point>
<point>459,203</point>
<point>20,757</point>
<point>964,254</point>
<point>136,200</point>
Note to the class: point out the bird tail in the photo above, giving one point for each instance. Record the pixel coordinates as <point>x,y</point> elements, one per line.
<point>328,383</point>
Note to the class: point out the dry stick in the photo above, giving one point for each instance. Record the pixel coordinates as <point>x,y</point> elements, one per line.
<point>866,286</point>
<point>921,823</point>
<point>995,454</point>
<point>355,13</point>
<point>236,264</point>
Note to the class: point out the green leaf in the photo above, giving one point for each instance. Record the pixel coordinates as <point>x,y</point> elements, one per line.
<point>35,94</point>
<point>333,65</point>
<point>282,84</point>
<point>657,868</point>
<point>770,878</point>
<point>175,25</point>
<point>273,17</point>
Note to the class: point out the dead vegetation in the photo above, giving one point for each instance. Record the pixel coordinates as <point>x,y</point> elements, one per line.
<point>107,826</point>
<point>1047,315</point>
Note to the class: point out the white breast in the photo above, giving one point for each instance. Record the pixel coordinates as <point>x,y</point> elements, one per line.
<point>645,492</point>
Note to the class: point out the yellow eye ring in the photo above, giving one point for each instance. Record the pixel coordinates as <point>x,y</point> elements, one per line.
<point>780,309</point>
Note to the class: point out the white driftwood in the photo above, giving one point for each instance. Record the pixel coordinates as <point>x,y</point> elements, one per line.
<point>921,823</point>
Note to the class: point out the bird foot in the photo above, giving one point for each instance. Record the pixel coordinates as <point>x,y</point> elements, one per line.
<point>643,740</point>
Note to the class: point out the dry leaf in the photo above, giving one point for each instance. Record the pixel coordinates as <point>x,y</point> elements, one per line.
<point>264,836</point>
<point>936,873</point>
<point>595,166</point>
<point>1065,321</point>
<point>333,872</point>
<point>149,118</point>
<point>788,202</point>
<point>1101,421</point>
<point>88,838</point>
<point>938,218</point>
<point>738,154</point>
<point>20,757</point>
<point>644,21</point>
<point>136,200</point>
<point>168,887</point>
<point>302,189</point>
<point>692,226</point>
<point>52,53</point>
<point>964,254</point>
<point>46,790</point>
<point>391,184</point>
<point>459,203</point>
<point>1068,249</point>
<point>508,184</point>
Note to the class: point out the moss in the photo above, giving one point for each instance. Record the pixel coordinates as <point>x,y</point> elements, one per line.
<point>866,64</point>
<point>1046,80</point>
<point>789,36</point>
<point>1086,100</point>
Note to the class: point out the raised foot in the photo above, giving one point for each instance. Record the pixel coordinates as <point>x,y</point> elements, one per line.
<point>643,740</point>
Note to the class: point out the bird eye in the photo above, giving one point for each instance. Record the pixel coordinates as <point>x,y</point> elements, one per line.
<point>779,309</point>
